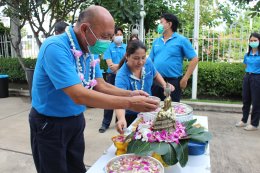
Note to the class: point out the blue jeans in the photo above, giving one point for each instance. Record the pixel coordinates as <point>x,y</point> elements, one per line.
<point>175,95</point>
<point>251,95</point>
<point>108,113</point>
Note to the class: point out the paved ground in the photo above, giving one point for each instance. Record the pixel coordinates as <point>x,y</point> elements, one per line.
<point>232,150</point>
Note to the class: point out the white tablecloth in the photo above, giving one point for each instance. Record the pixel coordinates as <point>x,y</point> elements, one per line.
<point>196,164</point>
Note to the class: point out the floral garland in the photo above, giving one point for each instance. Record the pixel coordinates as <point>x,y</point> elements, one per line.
<point>145,133</point>
<point>77,54</point>
<point>142,78</point>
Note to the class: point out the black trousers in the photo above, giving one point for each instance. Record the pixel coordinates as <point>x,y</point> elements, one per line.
<point>175,95</point>
<point>251,95</point>
<point>108,113</point>
<point>57,143</point>
<point>130,118</point>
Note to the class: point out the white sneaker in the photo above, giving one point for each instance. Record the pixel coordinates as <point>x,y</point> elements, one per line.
<point>250,128</point>
<point>240,124</point>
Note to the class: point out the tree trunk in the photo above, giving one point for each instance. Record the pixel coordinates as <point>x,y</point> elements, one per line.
<point>16,38</point>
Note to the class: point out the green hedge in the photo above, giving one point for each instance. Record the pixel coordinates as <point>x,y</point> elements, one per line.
<point>214,79</point>
<point>218,80</point>
<point>11,67</point>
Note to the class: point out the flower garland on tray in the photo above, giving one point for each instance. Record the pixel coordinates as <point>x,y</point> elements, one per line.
<point>77,54</point>
<point>171,146</point>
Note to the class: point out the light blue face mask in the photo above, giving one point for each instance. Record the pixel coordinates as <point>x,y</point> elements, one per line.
<point>100,46</point>
<point>254,44</point>
<point>160,28</point>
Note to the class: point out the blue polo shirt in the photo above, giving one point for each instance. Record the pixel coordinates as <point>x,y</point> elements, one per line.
<point>56,69</point>
<point>126,80</point>
<point>252,63</point>
<point>168,57</point>
<point>115,53</point>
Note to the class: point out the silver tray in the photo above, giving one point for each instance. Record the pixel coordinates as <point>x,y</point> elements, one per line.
<point>161,168</point>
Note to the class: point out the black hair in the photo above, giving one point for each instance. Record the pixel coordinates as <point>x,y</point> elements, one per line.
<point>132,46</point>
<point>60,26</point>
<point>171,18</point>
<point>118,29</point>
<point>254,34</point>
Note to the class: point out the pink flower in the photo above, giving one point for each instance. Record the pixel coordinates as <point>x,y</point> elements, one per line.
<point>76,53</point>
<point>81,76</point>
<point>93,82</point>
<point>94,62</point>
<point>157,136</point>
<point>151,138</point>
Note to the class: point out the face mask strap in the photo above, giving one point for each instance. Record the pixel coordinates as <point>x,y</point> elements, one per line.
<point>92,32</point>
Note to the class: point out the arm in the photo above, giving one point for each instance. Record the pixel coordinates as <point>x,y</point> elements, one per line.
<point>83,96</point>
<point>111,65</point>
<point>121,123</point>
<point>107,88</point>
<point>159,79</point>
<point>190,69</point>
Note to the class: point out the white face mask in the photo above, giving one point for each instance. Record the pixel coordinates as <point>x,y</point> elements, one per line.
<point>118,39</point>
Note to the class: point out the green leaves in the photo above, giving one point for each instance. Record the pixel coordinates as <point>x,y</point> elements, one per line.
<point>171,153</point>
<point>201,137</point>
<point>182,152</point>
<point>170,158</point>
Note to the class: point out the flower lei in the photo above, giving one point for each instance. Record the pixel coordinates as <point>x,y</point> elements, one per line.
<point>142,78</point>
<point>145,133</point>
<point>77,54</point>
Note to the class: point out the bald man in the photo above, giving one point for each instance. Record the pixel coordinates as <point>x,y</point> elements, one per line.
<point>65,73</point>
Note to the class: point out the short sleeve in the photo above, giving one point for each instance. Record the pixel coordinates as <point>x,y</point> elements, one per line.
<point>121,82</point>
<point>188,50</point>
<point>59,65</point>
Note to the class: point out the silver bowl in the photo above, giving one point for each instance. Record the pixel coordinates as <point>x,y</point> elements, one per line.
<point>117,158</point>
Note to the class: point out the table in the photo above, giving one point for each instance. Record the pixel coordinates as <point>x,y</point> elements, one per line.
<point>196,164</point>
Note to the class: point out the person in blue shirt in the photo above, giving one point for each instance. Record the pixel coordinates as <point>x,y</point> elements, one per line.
<point>112,55</point>
<point>65,74</point>
<point>136,73</point>
<point>167,54</point>
<point>251,85</point>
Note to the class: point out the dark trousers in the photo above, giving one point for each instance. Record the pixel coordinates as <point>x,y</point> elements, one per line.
<point>130,118</point>
<point>251,95</point>
<point>57,143</point>
<point>175,95</point>
<point>108,113</point>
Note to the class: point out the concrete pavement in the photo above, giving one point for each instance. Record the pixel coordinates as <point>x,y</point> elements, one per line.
<point>232,150</point>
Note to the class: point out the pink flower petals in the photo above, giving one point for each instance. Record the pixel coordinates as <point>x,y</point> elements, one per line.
<point>143,132</point>
<point>76,53</point>
<point>133,163</point>
<point>94,62</point>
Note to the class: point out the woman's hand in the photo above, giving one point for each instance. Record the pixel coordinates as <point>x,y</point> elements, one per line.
<point>120,125</point>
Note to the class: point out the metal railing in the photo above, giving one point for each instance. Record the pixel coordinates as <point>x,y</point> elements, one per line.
<point>229,46</point>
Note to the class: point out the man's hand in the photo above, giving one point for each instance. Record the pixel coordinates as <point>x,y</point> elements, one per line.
<point>183,83</point>
<point>143,104</point>
<point>138,93</point>
<point>114,67</point>
<point>120,125</point>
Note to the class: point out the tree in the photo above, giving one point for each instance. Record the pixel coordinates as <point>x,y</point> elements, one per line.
<point>36,12</point>
<point>254,10</point>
